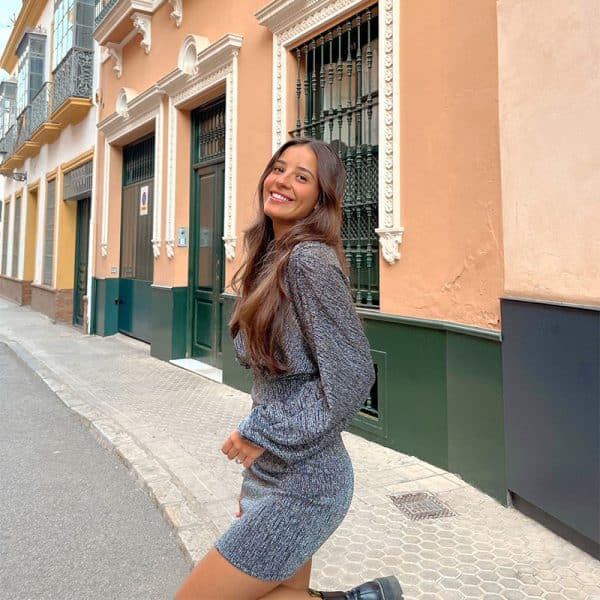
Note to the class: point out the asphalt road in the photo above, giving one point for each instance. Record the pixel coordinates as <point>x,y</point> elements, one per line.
<point>73,523</point>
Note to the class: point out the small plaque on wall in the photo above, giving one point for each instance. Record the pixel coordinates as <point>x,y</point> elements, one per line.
<point>182,237</point>
<point>143,200</point>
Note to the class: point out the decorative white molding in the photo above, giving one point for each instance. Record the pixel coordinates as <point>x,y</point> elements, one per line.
<point>281,15</point>
<point>124,97</point>
<point>389,240</point>
<point>158,182</point>
<point>390,230</point>
<point>292,20</point>
<point>171,180</point>
<point>142,23</point>
<point>219,54</point>
<point>188,54</point>
<point>215,63</point>
<point>119,13</point>
<point>118,128</point>
<point>177,12</point>
<point>230,244</point>
<point>115,52</point>
<point>231,103</point>
<point>105,200</point>
<point>140,109</point>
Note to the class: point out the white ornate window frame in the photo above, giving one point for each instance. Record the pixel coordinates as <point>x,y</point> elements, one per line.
<point>215,64</point>
<point>292,20</point>
<point>132,113</point>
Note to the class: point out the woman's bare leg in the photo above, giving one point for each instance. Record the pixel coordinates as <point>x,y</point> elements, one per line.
<point>215,578</point>
<point>301,579</point>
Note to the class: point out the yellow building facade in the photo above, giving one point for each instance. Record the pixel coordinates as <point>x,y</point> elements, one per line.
<point>47,144</point>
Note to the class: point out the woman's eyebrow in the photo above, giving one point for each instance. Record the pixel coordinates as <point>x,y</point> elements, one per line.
<point>279,160</point>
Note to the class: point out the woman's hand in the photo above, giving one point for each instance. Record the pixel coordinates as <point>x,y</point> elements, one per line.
<point>242,450</point>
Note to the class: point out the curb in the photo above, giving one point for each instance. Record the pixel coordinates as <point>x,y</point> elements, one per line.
<point>194,534</point>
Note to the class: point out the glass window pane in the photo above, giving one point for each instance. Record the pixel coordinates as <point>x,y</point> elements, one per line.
<point>204,276</point>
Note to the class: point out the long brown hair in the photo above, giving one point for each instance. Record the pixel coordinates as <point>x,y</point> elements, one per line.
<point>262,296</point>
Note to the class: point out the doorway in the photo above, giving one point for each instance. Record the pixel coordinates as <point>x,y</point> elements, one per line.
<point>82,238</point>
<point>137,259</point>
<point>206,268</point>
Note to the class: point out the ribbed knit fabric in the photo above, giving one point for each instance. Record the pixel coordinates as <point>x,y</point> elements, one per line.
<point>298,492</point>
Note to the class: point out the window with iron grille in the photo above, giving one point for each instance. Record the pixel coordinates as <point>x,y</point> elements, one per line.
<point>4,240</point>
<point>49,233</point>
<point>208,142</point>
<point>336,101</point>
<point>16,237</point>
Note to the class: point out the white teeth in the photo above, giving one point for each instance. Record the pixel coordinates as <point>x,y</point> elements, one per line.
<point>277,196</point>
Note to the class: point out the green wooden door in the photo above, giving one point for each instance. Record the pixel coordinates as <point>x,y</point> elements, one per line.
<point>207,304</point>
<point>207,270</point>
<point>81,259</point>
<point>137,259</point>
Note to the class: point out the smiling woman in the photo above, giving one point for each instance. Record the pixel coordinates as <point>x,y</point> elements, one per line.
<point>291,189</point>
<point>296,326</point>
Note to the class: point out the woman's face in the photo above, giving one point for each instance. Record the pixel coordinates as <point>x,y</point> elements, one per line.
<point>291,189</point>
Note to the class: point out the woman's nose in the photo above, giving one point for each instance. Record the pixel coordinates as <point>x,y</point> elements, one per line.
<point>282,179</point>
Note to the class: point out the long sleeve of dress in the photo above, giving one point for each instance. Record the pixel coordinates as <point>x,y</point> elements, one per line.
<point>298,424</point>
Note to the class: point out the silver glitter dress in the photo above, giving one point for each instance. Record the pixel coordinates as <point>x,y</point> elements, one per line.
<point>298,492</point>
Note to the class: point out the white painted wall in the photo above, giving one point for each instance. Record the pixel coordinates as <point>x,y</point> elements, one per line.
<point>549,87</point>
<point>73,141</point>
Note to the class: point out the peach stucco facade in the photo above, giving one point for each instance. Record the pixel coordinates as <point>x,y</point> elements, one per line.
<point>141,71</point>
<point>451,263</point>
<point>550,143</point>
<point>451,267</point>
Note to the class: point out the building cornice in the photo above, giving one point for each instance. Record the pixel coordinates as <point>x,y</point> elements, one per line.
<point>279,15</point>
<point>219,54</point>
<point>30,13</point>
<point>119,123</point>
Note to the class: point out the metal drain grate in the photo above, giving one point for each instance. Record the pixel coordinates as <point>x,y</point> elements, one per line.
<point>421,505</point>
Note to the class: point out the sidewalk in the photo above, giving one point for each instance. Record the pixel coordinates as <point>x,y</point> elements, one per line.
<point>167,425</point>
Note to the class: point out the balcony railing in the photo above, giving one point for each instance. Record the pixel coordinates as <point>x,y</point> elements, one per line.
<point>23,127</point>
<point>7,143</point>
<point>40,107</point>
<point>103,7</point>
<point>73,77</point>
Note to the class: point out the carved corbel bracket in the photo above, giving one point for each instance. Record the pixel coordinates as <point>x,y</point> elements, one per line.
<point>142,23</point>
<point>177,13</point>
<point>170,246</point>
<point>115,52</point>
<point>229,247</point>
<point>390,240</point>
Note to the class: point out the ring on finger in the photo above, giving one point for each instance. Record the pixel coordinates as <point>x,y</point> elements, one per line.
<point>239,461</point>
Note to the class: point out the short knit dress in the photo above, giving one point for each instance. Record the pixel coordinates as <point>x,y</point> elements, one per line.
<point>297,493</point>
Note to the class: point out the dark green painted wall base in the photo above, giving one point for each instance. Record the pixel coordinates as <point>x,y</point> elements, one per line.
<point>135,309</point>
<point>105,312</point>
<point>168,316</point>
<point>439,384</point>
<point>439,391</point>
<point>169,322</point>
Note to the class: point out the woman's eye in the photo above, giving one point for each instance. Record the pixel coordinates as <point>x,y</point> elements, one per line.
<point>278,169</point>
<point>302,178</point>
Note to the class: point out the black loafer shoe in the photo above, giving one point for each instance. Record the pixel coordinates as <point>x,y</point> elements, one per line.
<point>382,588</point>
